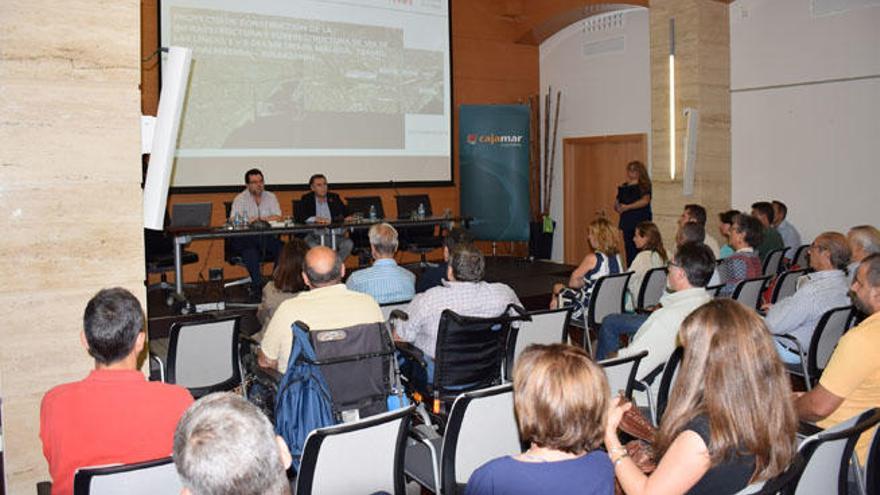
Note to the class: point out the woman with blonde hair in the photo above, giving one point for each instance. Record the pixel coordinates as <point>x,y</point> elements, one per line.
<point>730,420</point>
<point>561,400</point>
<point>633,203</point>
<point>652,254</point>
<point>604,260</point>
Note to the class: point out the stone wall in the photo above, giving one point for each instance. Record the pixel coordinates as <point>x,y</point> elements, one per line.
<point>702,80</point>
<point>69,195</point>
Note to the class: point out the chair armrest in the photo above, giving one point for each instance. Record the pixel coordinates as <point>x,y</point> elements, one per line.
<point>411,352</point>
<point>791,338</point>
<point>398,314</point>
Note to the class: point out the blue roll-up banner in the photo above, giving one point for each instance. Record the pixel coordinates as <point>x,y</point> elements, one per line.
<point>494,160</point>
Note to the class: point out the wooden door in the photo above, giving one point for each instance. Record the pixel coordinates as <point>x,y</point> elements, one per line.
<point>593,167</point>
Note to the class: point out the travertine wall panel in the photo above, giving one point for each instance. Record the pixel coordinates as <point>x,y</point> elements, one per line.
<point>69,195</point>
<point>702,73</point>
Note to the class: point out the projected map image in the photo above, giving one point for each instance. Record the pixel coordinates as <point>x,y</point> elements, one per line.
<point>275,82</point>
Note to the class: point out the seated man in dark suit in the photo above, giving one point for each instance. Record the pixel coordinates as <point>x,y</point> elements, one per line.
<point>322,207</point>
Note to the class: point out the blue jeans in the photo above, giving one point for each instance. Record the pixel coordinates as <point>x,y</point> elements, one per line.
<point>787,356</point>
<point>613,326</point>
<point>253,249</point>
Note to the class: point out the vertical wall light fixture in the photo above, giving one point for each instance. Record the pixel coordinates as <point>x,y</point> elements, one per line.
<point>672,98</point>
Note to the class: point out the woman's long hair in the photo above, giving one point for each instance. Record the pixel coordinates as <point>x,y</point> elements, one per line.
<point>644,179</point>
<point>653,241</point>
<point>287,276</point>
<point>605,236</point>
<point>732,374</point>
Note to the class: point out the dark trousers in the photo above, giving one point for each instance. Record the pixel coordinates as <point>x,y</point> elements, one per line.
<point>254,249</point>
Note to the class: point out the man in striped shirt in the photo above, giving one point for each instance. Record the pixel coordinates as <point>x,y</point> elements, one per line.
<point>385,280</point>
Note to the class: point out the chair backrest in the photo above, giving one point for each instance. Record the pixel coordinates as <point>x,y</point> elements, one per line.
<point>608,297</point>
<point>365,456</point>
<point>833,324</point>
<point>872,466</point>
<point>828,455</point>
<point>786,284</point>
<point>407,205</point>
<point>773,262</point>
<point>748,292</point>
<point>358,365</point>
<point>157,477</point>
<point>203,355</point>
<point>362,204</point>
<point>799,258</point>
<point>547,326</point>
<point>667,380</point>
<point>653,286</point>
<point>481,427</point>
<point>621,373</point>
<point>389,307</point>
<point>470,352</point>
<point>713,290</point>
<point>296,208</point>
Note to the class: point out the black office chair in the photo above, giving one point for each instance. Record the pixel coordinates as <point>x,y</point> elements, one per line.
<point>159,258</point>
<point>418,239</point>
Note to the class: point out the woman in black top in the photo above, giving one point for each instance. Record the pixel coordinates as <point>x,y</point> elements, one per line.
<point>634,204</point>
<point>730,420</point>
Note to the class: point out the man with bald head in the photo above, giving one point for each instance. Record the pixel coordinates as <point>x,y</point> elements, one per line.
<point>328,305</point>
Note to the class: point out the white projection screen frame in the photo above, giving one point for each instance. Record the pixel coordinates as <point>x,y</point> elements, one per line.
<point>359,90</point>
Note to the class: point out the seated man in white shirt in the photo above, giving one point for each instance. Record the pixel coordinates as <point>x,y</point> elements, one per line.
<point>689,272</point>
<point>864,240</point>
<point>824,289</point>
<point>252,205</point>
<point>464,293</point>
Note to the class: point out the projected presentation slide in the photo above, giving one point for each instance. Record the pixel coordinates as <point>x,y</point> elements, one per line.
<point>356,89</point>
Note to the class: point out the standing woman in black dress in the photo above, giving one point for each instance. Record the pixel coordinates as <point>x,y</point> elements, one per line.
<point>634,204</point>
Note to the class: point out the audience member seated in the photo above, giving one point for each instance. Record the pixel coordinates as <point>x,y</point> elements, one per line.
<point>689,273</point>
<point>726,221</point>
<point>287,281</point>
<point>694,213</point>
<point>561,402</point>
<point>604,260</point>
<point>770,240</point>
<point>321,207</point>
<point>791,238</point>
<point>690,232</point>
<point>385,281</point>
<point>224,445</point>
<point>652,254</point>
<point>744,263</point>
<point>730,419</point>
<point>464,293</point>
<point>434,276</point>
<point>255,204</point>
<point>864,240</point>
<point>114,415</point>
<point>851,381</point>
<point>824,289</point>
<point>328,305</point>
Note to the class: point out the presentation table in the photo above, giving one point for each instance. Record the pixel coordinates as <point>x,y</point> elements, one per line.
<point>184,237</point>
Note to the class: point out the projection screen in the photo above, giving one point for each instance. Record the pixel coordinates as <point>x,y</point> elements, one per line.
<point>357,89</point>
